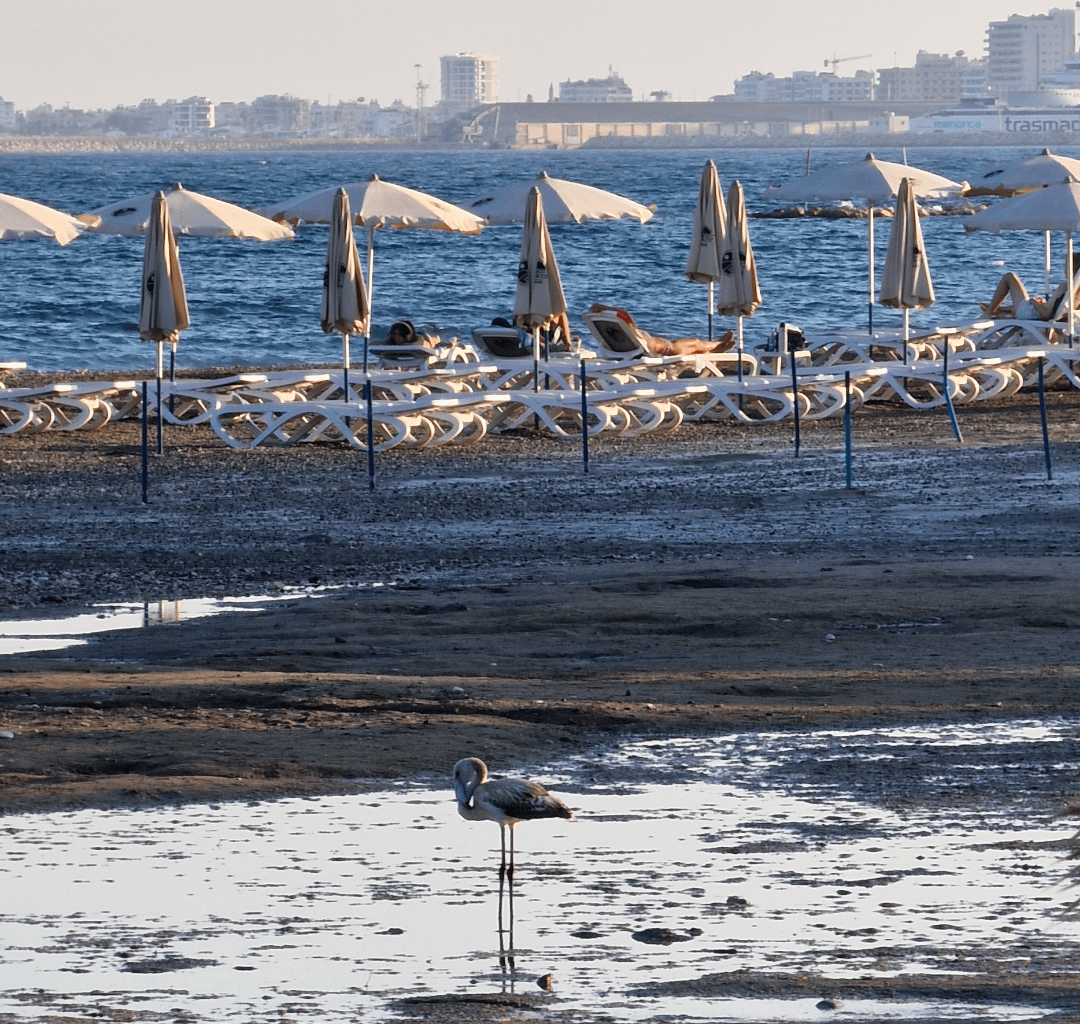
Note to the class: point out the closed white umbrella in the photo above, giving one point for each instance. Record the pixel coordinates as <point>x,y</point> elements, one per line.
<point>21,219</point>
<point>739,293</point>
<point>379,204</point>
<point>163,311</point>
<point>876,181</point>
<point>190,213</point>
<point>539,295</point>
<point>344,298</point>
<point>564,202</point>
<point>707,237</point>
<point>905,282</point>
<point>1053,208</point>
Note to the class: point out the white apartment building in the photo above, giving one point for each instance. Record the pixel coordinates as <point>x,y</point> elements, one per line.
<point>1024,50</point>
<point>7,115</point>
<point>191,116</point>
<point>469,79</point>
<point>805,87</point>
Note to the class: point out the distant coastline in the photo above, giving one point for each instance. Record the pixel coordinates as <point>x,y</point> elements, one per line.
<point>60,145</point>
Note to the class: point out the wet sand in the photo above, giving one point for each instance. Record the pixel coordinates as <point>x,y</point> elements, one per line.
<point>494,601</point>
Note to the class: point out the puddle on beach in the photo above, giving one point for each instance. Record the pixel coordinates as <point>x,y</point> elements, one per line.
<point>19,636</point>
<point>339,906</point>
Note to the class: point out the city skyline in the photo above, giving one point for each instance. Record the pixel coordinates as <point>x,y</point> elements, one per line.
<point>684,54</point>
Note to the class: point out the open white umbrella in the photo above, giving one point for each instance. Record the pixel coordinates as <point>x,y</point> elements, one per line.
<point>163,311</point>
<point>378,204</point>
<point>344,299</point>
<point>21,218</point>
<point>1027,175</point>
<point>190,213</point>
<point>905,282</point>
<point>539,295</point>
<point>1053,208</point>
<point>707,237</point>
<point>564,202</point>
<point>870,179</point>
<point>738,294</point>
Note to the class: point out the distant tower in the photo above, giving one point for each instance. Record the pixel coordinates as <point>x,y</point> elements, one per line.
<point>421,88</point>
<point>551,93</point>
<point>469,79</point>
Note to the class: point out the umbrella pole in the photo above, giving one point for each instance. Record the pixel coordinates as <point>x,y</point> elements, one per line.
<point>585,417</point>
<point>1069,283</point>
<point>345,367</point>
<point>160,374</point>
<point>145,444</point>
<point>370,273</point>
<point>370,434</point>
<point>172,375</point>
<point>740,349</point>
<point>536,369</point>
<point>907,331</point>
<point>847,429</point>
<point>1042,416</point>
<point>710,307</point>
<point>1046,262</point>
<point>870,229</point>
<point>945,387</point>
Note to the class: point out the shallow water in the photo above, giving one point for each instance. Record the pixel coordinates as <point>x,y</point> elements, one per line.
<point>257,304</point>
<point>920,849</point>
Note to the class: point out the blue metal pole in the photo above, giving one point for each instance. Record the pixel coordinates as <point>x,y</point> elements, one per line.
<point>847,429</point>
<point>370,436</point>
<point>1045,431</point>
<point>948,397</point>
<point>795,400</point>
<point>160,436</point>
<point>145,444</point>
<point>584,419</point>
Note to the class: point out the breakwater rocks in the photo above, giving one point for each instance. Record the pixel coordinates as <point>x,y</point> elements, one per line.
<point>152,144</point>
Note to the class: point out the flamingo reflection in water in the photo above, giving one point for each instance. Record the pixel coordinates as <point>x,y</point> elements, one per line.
<point>507,802</point>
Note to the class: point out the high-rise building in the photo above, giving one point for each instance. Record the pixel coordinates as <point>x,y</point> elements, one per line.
<point>7,115</point>
<point>1026,49</point>
<point>469,79</point>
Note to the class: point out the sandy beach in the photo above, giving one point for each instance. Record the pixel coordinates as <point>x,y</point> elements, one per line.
<point>495,601</point>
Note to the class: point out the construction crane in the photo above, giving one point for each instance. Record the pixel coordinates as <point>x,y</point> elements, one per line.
<point>840,60</point>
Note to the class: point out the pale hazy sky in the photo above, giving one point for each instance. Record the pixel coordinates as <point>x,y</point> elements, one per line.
<point>107,52</point>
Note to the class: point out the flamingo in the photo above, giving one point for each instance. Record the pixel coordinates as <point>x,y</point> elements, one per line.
<point>504,801</point>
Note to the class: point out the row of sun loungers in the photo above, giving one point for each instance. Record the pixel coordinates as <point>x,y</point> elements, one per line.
<point>460,392</point>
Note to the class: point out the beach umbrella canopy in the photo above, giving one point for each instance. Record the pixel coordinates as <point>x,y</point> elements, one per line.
<point>21,218</point>
<point>870,179</point>
<point>564,202</point>
<point>1053,208</point>
<point>190,213</point>
<point>539,295</point>
<point>738,293</point>
<point>163,311</point>
<point>1025,175</point>
<point>344,298</point>
<point>707,234</point>
<point>379,204</point>
<point>905,282</point>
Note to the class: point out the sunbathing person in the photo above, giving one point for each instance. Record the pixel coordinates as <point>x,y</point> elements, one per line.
<point>402,332</point>
<point>668,346</point>
<point>1027,307</point>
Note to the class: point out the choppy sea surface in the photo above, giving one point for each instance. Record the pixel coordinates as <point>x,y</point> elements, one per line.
<point>256,304</point>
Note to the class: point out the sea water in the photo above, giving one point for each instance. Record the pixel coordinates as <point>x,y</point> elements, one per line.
<point>258,304</point>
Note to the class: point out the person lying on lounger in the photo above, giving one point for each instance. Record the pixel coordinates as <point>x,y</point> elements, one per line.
<point>402,332</point>
<point>1022,306</point>
<point>668,346</point>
